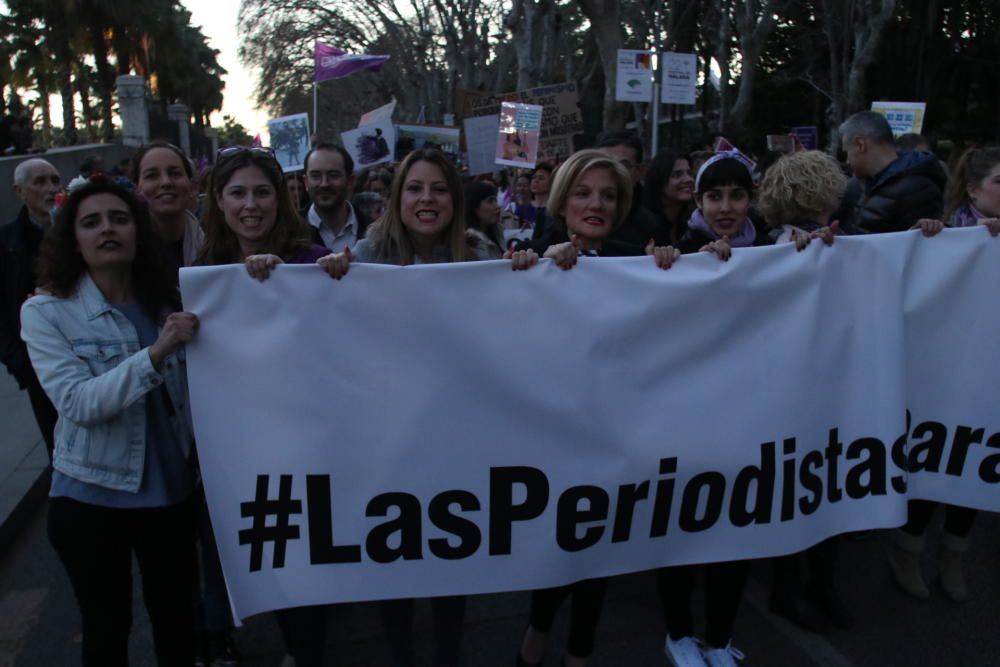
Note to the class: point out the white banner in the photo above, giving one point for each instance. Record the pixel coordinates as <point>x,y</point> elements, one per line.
<point>363,439</point>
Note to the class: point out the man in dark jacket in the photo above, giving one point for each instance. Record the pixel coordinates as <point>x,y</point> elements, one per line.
<point>898,188</point>
<point>641,224</point>
<point>36,183</point>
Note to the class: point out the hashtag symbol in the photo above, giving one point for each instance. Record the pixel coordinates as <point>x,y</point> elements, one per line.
<point>262,507</point>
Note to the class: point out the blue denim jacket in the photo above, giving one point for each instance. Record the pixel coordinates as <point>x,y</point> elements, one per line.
<point>87,358</point>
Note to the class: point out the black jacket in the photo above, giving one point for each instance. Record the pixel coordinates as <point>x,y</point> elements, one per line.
<point>695,239</point>
<point>910,188</point>
<point>19,244</point>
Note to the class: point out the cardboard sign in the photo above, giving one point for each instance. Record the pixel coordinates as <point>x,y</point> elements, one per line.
<point>561,118</point>
<point>481,143</point>
<point>412,137</point>
<point>290,140</point>
<point>903,117</point>
<point>517,137</point>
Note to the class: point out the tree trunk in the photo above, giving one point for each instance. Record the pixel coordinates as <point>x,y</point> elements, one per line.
<point>105,76</point>
<point>605,25</point>
<point>754,33</point>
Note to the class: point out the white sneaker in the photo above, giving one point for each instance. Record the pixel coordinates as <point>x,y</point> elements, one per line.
<point>723,657</point>
<point>685,652</point>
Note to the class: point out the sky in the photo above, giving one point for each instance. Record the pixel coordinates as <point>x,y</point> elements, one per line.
<point>217,19</point>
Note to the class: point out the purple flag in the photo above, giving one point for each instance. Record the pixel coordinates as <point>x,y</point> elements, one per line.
<point>333,63</point>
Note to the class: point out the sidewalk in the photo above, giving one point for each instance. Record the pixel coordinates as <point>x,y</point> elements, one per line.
<point>23,462</point>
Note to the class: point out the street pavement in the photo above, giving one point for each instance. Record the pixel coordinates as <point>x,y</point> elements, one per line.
<point>40,625</point>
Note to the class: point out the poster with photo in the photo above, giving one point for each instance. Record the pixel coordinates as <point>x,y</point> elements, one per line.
<point>290,140</point>
<point>370,144</point>
<point>412,137</point>
<point>517,138</point>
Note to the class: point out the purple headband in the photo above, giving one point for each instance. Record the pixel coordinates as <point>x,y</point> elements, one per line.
<point>734,154</point>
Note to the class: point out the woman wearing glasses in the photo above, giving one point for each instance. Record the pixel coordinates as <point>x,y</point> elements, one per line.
<point>106,342</point>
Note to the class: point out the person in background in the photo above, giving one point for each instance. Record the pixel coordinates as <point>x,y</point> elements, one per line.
<point>330,179</point>
<point>162,174</point>
<point>296,184</point>
<point>369,204</point>
<point>535,214</point>
<point>641,224</point>
<point>668,188</point>
<point>974,190</point>
<point>36,184</point>
<point>482,215</point>
<point>899,189</point>
<point>107,343</point>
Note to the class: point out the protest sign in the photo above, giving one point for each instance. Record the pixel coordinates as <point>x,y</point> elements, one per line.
<point>481,143</point>
<point>903,117</point>
<point>712,412</point>
<point>561,118</point>
<point>372,144</point>
<point>290,140</point>
<point>518,134</point>
<point>441,137</point>
<point>634,81</point>
<point>384,112</point>
<point>680,78</point>
<point>808,136</point>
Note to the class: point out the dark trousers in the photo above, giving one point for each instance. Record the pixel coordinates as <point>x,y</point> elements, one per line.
<point>821,562</point>
<point>212,609</point>
<point>724,584</point>
<point>45,413</point>
<point>957,520</point>
<point>303,630</point>
<point>397,621</point>
<point>586,602</point>
<point>96,545</point>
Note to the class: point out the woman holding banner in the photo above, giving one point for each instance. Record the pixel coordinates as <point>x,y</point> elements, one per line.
<point>590,197</point>
<point>251,220</point>
<point>422,225</point>
<point>973,198</point>
<point>107,343</point>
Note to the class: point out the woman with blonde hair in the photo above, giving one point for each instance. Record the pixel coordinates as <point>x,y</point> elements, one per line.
<point>800,192</point>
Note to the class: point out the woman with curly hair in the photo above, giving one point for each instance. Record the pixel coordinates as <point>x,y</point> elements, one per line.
<point>107,344</point>
<point>799,194</point>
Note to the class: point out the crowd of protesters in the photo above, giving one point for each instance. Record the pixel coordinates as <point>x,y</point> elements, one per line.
<point>92,326</point>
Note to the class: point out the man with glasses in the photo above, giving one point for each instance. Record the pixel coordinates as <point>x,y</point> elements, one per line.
<point>329,180</point>
<point>36,183</point>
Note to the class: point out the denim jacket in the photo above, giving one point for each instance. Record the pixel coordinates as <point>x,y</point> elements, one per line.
<point>87,358</point>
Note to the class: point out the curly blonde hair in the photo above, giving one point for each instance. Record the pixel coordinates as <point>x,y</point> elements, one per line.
<point>801,186</point>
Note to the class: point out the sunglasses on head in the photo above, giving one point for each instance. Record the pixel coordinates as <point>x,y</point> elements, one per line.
<point>225,153</point>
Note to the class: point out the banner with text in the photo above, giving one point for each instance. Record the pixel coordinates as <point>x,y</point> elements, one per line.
<point>715,411</point>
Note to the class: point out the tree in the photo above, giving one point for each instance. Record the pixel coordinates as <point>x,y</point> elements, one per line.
<point>232,133</point>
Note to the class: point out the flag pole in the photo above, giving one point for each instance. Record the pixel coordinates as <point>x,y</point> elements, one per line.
<point>315,109</point>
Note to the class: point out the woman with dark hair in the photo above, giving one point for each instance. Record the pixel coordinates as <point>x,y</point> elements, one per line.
<point>107,344</point>
<point>423,225</point>
<point>251,218</point>
<point>482,215</point>
<point>164,179</point>
<point>668,191</point>
<point>296,184</point>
